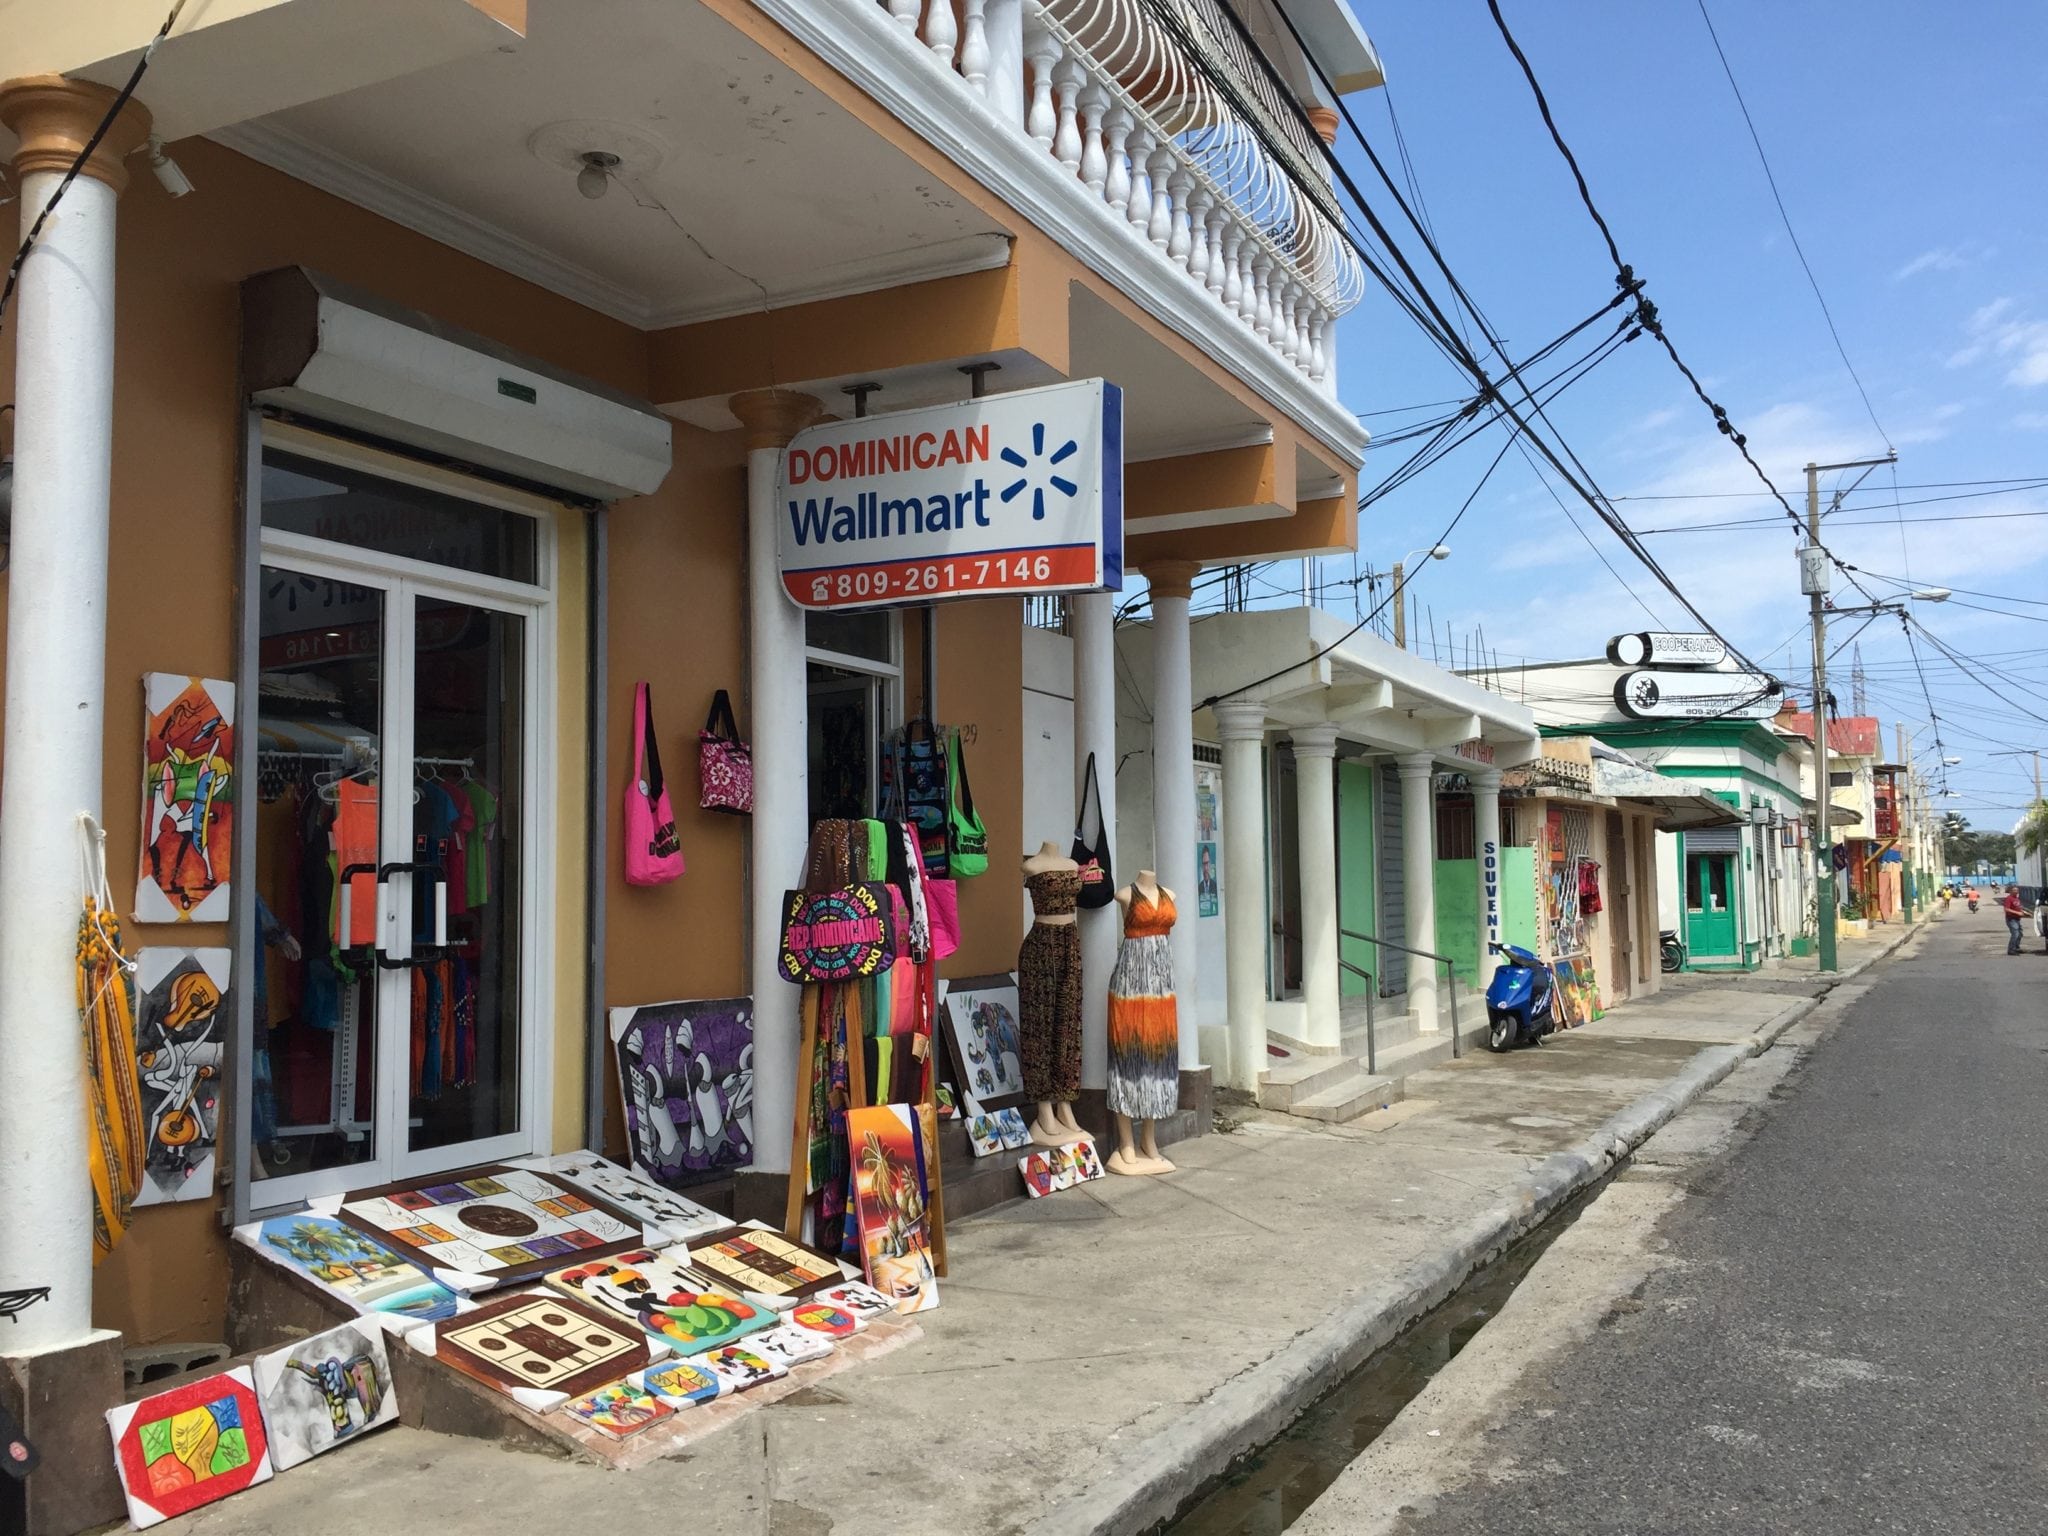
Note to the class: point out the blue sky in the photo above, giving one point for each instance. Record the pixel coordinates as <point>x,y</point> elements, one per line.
<point>1909,150</point>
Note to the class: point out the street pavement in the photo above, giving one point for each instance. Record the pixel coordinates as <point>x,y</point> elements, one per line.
<point>1817,1303</point>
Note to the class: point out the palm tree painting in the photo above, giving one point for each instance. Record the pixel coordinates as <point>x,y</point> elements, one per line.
<point>889,1210</point>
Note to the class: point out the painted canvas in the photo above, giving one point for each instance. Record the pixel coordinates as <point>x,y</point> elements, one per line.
<point>504,1223</point>
<point>981,1022</point>
<point>1011,1126</point>
<point>983,1137</point>
<point>889,1207</point>
<point>766,1263</point>
<point>740,1368</point>
<point>687,1072</point>
<point>1057,1168</point>
<point>818,1317</point>
<point>662,1295</point>
<point>659,1210</point>
<point>860,1299</point>
<point>324,1391</point>
<point>790,1345</point>
<point>681,1384</point>
<point>621,1409</point>
<point>189,1446</point>
<point>544,1342</point>
<point>181,1027</point>
<point>188,753</point>
<point>348,1264</point>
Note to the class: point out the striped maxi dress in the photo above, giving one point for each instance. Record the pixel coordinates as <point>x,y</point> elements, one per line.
<point>1144,1033</point>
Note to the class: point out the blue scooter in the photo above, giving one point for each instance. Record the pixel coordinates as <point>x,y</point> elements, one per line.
<point>1519,1000</point>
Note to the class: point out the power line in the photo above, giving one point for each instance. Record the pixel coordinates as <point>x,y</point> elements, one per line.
<point>1851,522</point>
<point>2023,482</point>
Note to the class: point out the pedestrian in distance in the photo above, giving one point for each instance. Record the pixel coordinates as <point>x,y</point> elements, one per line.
<point>2015,913</point>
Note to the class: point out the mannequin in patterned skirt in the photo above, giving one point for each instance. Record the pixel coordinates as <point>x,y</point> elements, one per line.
<point>1144,1033</point>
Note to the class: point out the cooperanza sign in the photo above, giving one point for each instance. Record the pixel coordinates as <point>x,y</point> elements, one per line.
<point>1020,492</point>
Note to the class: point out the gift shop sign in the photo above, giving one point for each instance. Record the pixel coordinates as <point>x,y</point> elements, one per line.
<point>1020,492</point>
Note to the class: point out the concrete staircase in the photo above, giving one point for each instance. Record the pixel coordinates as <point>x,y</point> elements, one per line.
<point>1332,1088</point>
<point>1337,1088</point>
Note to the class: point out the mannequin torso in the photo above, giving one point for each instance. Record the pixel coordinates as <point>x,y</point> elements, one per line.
<point>1048,860</point>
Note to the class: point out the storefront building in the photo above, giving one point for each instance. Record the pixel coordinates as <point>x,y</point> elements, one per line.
<point>446,410</point>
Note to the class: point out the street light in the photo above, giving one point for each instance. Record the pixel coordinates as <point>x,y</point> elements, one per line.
<point>1434,552</point>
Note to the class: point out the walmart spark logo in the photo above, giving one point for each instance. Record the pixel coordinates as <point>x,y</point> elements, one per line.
<point>1058,482</point>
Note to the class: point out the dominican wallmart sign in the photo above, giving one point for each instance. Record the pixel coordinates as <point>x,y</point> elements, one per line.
<point>1020,492</point>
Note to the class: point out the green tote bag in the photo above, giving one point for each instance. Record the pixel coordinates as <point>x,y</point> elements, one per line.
<point>966,838</point>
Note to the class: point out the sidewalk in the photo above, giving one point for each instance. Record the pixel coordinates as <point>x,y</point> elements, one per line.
<point>1100,1353</point>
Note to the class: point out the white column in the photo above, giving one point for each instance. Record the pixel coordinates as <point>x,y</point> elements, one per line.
<point>1315,789</point>
<point>779,829</point>
<point>1486,844</point>
<point>56,692</point>
<point>1242,726</point>
<point>1004,24</point>
<point>1173,785</point>
<point>1095,731</point>
<point>1418,863</point>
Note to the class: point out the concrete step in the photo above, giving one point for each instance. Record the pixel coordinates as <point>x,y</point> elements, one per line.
<point>1355,1096</point>
<point>1299,1077</point>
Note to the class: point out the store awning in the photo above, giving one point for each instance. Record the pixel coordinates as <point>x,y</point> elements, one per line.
<point>1682,811</point>
<point>1838,815</point>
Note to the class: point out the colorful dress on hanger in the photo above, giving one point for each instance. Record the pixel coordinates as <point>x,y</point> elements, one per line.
<point>1049,991</point>
<point>1144,1030</point>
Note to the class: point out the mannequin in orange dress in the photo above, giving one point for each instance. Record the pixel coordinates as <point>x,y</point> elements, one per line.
<point>1144,1032</point>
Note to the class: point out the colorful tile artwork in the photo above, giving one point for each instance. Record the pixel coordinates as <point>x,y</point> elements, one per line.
<point>663,1296</point>
<point>189,1446</point>
<point>507,1223</point>
<point>889,1206</point>
<point>740,1368</point>
<point>764,1262</point>
<point>1057,1168</point>
<point>856,1297</point>
<point>681,1384</point>
<point>188,799</point>
<point>659,1210</point>
<point>323,1391</point>
<point>688,1073</point>
<point>181,1029</point>
<point>349,1265</point>
<point>790,1345</point>
<point>831,1322</point>
<point>545,1342</point>
<point>621,1409</point>
<point>1003,1130</point>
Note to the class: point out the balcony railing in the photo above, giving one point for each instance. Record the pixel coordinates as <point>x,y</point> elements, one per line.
<point>1160,109</point>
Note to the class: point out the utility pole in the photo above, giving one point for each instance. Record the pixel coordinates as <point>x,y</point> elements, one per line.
<point>1901,806</point>
<point>1400,606</point>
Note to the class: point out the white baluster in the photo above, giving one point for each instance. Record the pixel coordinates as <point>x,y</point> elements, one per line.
<point>941,31</point>
<point>1318,357</point>
<point>1139,210</point>
<point>1199,202</point>
<point>1159,228</point>
<point>1067,80</point>
<point>905,12</point>
<point>1290,310</point>
<point>1262,293</point>
<point>1116,190</point>
<point>974,54</point>
<point>1179,242</point>
<point>1094,163</point>
<point>1042,50</point>
<point>1233,274</point>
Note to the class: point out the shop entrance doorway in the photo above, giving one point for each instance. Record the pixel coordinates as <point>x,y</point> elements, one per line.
<point>399,875</point>
<point>1709,904</point>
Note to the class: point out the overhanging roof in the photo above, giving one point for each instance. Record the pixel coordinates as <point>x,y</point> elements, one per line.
<point>1678,811</point>
<point>1680,806</point>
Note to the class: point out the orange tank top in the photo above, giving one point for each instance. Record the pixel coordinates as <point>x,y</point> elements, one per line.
<point>1149,919</point>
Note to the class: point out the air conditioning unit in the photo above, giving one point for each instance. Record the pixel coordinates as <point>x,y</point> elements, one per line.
<point>329,351</point>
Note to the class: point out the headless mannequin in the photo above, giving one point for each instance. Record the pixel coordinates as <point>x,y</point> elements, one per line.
<point>1054,1125</point>
<point>1137,1143</point>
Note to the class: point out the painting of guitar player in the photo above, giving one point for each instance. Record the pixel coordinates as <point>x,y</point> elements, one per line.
<point>686,1072</point>
<point>188,751</point>
<point>181,1026</point>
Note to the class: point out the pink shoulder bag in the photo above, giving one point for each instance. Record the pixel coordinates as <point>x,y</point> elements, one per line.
<point>654,854</point>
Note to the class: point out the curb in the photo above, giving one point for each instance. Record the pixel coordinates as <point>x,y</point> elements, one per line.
<point>1151,1481</point>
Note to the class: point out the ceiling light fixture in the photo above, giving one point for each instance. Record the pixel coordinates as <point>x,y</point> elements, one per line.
<point>596,175</point>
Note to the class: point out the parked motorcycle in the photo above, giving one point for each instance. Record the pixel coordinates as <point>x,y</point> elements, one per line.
<point>1674,950</point>
<point>1520,1000</point>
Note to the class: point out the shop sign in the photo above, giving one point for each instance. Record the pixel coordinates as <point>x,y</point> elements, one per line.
<point>1474,751</point>
<point>1655,649</point>
<point>1019,492</point>
<point>1656,695</point>
<point>1489,870</point>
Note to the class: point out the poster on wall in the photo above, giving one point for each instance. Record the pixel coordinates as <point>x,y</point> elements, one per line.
<point>1208,890</point>
<point>181,1025</point>
<point>188,751</point>
<point>686,1072</point>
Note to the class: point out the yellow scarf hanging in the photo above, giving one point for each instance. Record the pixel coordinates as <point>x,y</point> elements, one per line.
<point>106,1013</point>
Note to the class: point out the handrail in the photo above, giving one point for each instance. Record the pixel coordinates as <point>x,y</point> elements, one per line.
<point>1451,975</point>
<point>1372,1053</point>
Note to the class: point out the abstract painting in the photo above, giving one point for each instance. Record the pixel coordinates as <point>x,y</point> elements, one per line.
<point>686,1072</point>
<point>827,1320</point>
<point>863,1301</point>
<point>990,1134</point>
<point>738,1368</point>
<point>889,1207</point>
<point>189,1446</point>
<point>181,1028</point>
<point>766,1263</point>
<point>347,1264</point>
<point>323,1391</point>
<point>505,1223</point>
<point>668,1300</point>
<point>680,1384</point>
<point>621,1409</point>
<point>790,1345</point>
<point>659,1210</point>
<point>543,1342</point>
<point>1057,1168</point>
<point>981,1020</point>
<point>188,753</point>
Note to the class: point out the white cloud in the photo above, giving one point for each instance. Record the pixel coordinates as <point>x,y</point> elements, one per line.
<point>2001,330</point>
<point>1943,258</point>
<point>2031,421</point>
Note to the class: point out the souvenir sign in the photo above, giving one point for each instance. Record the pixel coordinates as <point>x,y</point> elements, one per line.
<point>188,752</point>
<point>323,1391</point>
<point>1057,1168</point>
<point>1656,649</point>
<point>665,1298</point>
<point>688,1073</point>
<point>189,1446</point>
<point>766,1263</point>
<point>740,1368</point>
<point>680,1384</point>
<point>861,1300</point>
<point>621,1409</point>
<point>1017,492</point>
<point>547,1343</point>
<point>505,1223</point>
<point>181,1027</point>
<point>348,1265</point>
<point>657,1209</point>
<point>790,1345</point>
<point>889,1207</point>
<point>829,1321</point>
<point>981,1024</point>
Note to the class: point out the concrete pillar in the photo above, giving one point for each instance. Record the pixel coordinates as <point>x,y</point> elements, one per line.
<point>779,830</point>
<point>1418,863</point>
<point>1485,784</point>
<point>1315,785</point>
<point>1173,782</point>
<point>1094,624</point>
<point>1242,726</point>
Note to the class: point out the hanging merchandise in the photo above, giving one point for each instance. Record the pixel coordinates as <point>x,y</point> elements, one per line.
<point>106,1012</point>
<point>837,935</point>
<point>921,764</point>
<point>966,838</point>
<point>725,764</point>
<point>654,855</point>
<point>942,897</point>
<point>1098,889</point>
<point>1589,886</point>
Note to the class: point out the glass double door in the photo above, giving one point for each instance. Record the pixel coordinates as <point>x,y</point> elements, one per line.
<point>392,996</point>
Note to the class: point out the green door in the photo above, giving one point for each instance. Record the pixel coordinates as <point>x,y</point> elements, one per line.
<point>1710,906</point>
